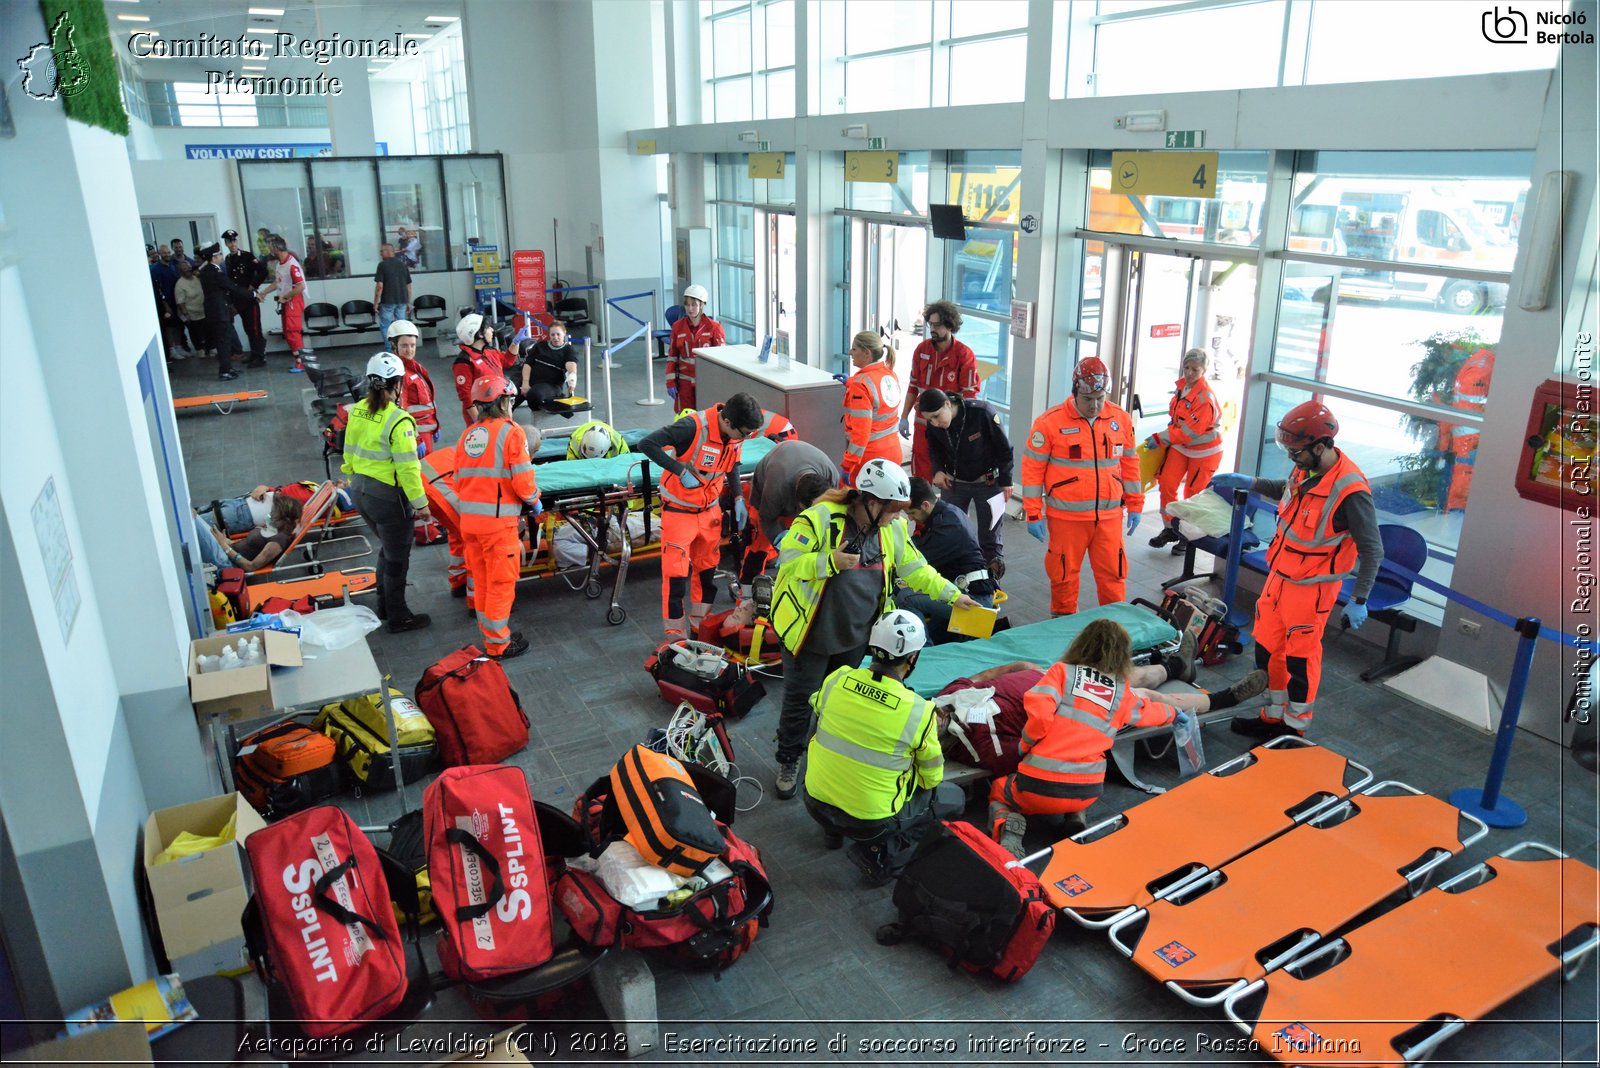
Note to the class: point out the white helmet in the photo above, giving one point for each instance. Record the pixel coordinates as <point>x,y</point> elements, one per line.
<point>897,635</point>
<point>534,435</point>
<point>698,293</point>
<point>884,480</point>
<point>402,328</point>
<point>385,365</point>
<point>468,328</point>
<point>594,443</point>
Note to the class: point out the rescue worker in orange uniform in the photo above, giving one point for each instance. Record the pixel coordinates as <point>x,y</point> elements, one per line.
<point>439,483</point>
<point>696,330</point>
<point>1080,474</point>
<point>699,479</point>
<point>494,482</point>
<point>1193,440</point>
<point>871,406</point>
<point>1327,522</point>
<point>939,362</point>
<point>1472,395</point>
<point>1074,714</point>
<point>776,428</point>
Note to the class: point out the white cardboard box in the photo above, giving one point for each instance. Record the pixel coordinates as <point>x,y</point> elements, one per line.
<point>198,898</point>
<point>245,692</point>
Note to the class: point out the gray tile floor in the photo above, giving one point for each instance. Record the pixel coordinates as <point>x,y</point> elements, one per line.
<point>817,971</point>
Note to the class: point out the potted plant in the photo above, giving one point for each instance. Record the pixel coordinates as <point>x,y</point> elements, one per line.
<point>1433,381</point>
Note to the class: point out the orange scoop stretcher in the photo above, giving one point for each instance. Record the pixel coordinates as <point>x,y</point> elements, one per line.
<point>1392,990</point>
<point>1102,874</point>
<point>223,402</point>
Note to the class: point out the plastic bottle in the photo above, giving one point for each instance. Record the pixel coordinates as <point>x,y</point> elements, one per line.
<point>209,663</point>
<point>230,659</point>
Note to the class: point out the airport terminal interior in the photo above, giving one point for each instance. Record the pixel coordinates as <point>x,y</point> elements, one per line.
<point>1389,209</point>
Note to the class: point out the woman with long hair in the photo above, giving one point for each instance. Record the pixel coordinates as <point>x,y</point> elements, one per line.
<point>871,406</point>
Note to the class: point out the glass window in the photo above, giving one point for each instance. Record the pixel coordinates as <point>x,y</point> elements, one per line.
<point>1094,259</point>
<point>731,100</point>
<point>409,199</point>
<point>1359,43</point>
<point>735,233</point>
<point>475,200</point>
<point>277,198</point>
<point>733,178</point>
<point>780,94</point>
<point>730,44</point>
<point>873,25</point>
<point>988,72</point>
<point>990,341</point>
<point>347,233</point>
<point>736,301</point>
<point>980,271</point>
<point>888,83</point>
<point>780,34</point>
<point>908,196</point>
<point>987,185</point>
<point>971,17</point>
<point>1232,217</point>
<point>780,191</point>
<point>1225,47</point>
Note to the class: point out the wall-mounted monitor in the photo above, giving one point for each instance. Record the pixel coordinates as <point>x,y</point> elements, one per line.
<point>947,221</point>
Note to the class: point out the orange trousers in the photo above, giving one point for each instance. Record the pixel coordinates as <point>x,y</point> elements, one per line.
<point>1070,541</point>
<point>494,560</point>
<point>456,569</point>
<point>691,543</point>
<point>1290,619</point>
<point>1465,447</point>
<point>1179,469</point>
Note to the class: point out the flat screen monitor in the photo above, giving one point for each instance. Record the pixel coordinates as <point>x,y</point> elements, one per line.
<point>947,221</point>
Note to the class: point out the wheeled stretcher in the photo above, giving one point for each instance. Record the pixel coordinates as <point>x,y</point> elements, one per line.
<point>553,446</point>
<point>1392,990</point>
<point>1240,922</point>
<point>1106,872</point>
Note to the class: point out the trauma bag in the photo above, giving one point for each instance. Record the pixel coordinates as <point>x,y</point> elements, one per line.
<point>285,768</point>
<point>357,725</point>
<point>661,813</point>
<point>319,923</point>
<point>476,715</point>
<point>972,901</point>
<point>701,674</point>
<point>231,584</point>
<point>486,871</point>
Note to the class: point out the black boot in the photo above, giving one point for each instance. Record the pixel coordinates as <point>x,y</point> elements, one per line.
<point>1252,725</point>
<point>1168,535</point>
<point>1252,685</point>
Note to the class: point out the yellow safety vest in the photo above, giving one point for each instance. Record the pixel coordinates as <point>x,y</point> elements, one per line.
<point>619,445</point>
<point>805,563</point>
<point>383,446</point>
<point>876,743</point>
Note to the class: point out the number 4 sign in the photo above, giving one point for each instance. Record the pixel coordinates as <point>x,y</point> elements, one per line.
<point>1165,174</point>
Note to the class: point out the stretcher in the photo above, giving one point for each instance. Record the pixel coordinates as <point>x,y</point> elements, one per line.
<point>1244,920</point>
<point>342,584</point>
<point>222,402</point>
<point>1104,873</point>
<point>316,538</point>
<point>1394,989</point>
<point>586,495</point>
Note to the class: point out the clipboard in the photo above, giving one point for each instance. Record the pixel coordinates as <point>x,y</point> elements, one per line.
<point>977,622</point>
<point>570,402</point>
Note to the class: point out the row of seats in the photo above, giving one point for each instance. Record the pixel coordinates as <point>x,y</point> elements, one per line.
<point>359,316</point>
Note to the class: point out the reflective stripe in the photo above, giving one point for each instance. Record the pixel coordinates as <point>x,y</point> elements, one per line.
<point>1034,454</point>
<point>1131,487</point>
<point>1104,503</point>
<point>1032,491</point>
<point>879,435</point>
<point>1068,711</point>
<point>1298,714</point>
<point>493,624</point>
<point>852,449</point>
<point>517,469</point>
<point>1044,686</point>
<point>1064,767</point>
<point>1315,579</point>
<point>365,454</point>
<point>859,753</point>
<point>512,507</point>
<point>907,733</point>
<point>1108,462</point>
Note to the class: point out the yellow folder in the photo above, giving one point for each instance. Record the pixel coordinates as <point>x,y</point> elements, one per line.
<point>975,622</point>
<point>571,401</point>
<point>1150,461</point>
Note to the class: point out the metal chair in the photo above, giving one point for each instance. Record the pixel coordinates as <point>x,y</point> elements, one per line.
<point>359,315</point>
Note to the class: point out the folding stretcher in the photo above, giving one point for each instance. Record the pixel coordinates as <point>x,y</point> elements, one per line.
<point>1392,990</point>
<point>222,402</point>
<point>1238,923</point>
<point>320,545</point>
<point>1104,873</point>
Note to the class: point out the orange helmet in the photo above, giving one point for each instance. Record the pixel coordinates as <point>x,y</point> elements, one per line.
<point>1306,424</point>
<point>491,388</point>
<point>1091,371</point>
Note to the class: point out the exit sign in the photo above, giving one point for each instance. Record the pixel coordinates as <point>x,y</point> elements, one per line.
<point>1186,139</point>
<point>874,144</point>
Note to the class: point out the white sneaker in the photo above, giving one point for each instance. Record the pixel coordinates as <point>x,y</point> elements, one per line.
<point>178,354</point>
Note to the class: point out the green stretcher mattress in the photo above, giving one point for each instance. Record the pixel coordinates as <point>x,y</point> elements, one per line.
<point>1042,643</point>
<point>582,476</point>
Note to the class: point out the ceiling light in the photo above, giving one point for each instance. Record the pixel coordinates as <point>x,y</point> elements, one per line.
<point>133,18</point>
<point>250,67</point>
<point>254,30</point>
<point>416,36</point>
<point>266,11</point>
<point>443,18</point>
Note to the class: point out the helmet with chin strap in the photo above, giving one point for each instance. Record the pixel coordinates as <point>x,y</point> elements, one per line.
<point>1306,424</point>
<point>885,481</point>
<point>897,635</point>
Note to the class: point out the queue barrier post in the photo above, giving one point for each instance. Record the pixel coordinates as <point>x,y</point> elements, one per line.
<point>1488,804</point>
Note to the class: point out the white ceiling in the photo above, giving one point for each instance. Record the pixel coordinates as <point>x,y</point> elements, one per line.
<point>188,19</point>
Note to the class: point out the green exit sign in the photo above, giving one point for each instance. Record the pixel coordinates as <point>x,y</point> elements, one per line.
<point>875,144</point>
<point>1186,139</point>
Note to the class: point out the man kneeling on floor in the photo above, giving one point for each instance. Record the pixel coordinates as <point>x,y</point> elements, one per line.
<point>875,773</point>
<point>1074,714</point>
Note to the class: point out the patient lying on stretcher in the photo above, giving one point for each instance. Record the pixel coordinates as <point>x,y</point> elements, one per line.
<point>241,515</point>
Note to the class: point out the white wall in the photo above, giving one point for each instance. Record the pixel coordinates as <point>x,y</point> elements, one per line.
<point>190,187</point>
<point>391,116</point>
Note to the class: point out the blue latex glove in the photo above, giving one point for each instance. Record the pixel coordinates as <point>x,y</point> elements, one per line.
<point>672,392</point>
<point>1184,719</point>
<point>538,509</point>
<point>1229,481</point>
<point>1153,441</point>
<point>905,426</point>
<point>1037,529</point>
<point>1355,615</point>
<point>1133,521</point>
<point>741,512</point>
<point>689,479</point>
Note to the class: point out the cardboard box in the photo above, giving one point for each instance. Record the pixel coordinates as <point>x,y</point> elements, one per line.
<point>198,898</point>
<point>117,1043</point>
<point>241,692</point>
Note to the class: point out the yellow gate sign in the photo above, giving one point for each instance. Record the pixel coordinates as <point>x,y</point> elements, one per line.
<point>872,167</point>
<point>645,146</point>
<point>766,164</point>
<point>1164,174</point>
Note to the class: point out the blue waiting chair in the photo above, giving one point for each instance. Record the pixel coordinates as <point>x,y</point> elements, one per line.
<point>674,313</point>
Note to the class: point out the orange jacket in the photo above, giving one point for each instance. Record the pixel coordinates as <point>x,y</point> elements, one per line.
<point>416,397</point>
<point>1076,470</point>
<point>439,483</point>
<point>494,476</point>
<point>777,428</point>
<point>710,456</point>
<point>681,345</point>
<point>1306,549</point>
<point>871,417</point>
<point>1196,427</point>
<point>1074,714</point>
<point>955,370</point>
<point>1472,395</point>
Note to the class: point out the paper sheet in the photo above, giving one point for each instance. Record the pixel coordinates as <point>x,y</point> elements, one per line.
<point>997,508</point>
<point>977,622</point>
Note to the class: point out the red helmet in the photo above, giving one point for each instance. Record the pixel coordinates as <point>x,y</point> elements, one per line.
<point>1091,371</point>
<point>1306,424</point>
<point>491,388</point>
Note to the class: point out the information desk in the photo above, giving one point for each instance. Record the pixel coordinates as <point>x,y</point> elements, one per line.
<point>810,397</point>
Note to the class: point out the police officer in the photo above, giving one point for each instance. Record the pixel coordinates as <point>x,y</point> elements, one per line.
<point>247,272</point>
<point>875,770</point>
<point>970,457</point>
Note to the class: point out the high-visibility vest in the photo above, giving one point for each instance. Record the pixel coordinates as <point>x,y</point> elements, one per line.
<point>439,483</point>
<point>871,415</point>
<point>618,444</point>
<point>684,339</point>
<point>382,445</point>
<point>805,563</point>
<point>494,475</point>
<point>775,427</point>
<point>876,743</point>
<point>1074,714</point>
<point>1471,395</point>
<point>1196,427</point>
<point>1075,469</point>
<point>1306,549</point>
<point>711,458</point>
